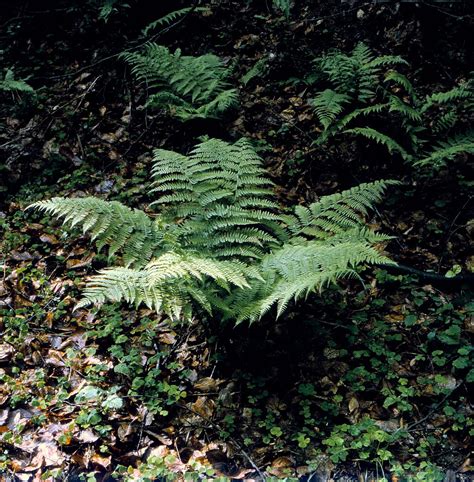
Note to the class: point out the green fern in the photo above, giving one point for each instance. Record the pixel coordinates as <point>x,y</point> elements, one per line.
<point>457,93</point>
<point>356,74</point>
<point>166,284</point>
<point>380,138</point>
<point>190,87</point>
<point>221,194</point>
<point>220,240</point>
<point>328,104</point>
<point>340,212</point>
<point>448,150</point>
<point>257,70</point>
<point>171,18</point>
<point>129,232</point>
<point>10,84</point>
<point>295,271</point>
<point>359,92</point>
<point>401,80</point>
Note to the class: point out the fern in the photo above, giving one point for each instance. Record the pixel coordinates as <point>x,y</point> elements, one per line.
<point>356,74</point>
<point>166,284</point>
<point>337,213</point>
<point>221,194</point>
<point>328,104</point>
<point>445,121</point>
<point>129,232</point>
<point>10,84</point>
<point>220,240</point>
<point>448,150</point>
<point>356,82</point>
<point>257,70</point>
<point>297,270</point>
<point>400,79</point>
<point>171,18</point>
<point>457,93</point>
<point>380,138</point>
<point>405,110</point>
<point>190,87</point>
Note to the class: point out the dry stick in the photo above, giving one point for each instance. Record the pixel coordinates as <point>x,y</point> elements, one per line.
<point>218,427</point>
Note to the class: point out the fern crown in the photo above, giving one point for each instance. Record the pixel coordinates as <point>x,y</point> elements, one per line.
<point>219,240</point>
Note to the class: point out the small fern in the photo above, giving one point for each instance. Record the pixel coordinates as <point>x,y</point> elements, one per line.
<point>448,150</point>
<point>356,74</point>
<point>220,241</point>
<point>190,87</point>
<point>359,95</point>
<point>171,18</point>
<point>10,84</point>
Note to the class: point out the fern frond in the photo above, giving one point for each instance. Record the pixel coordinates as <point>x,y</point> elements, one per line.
<point>166,284</point>
<point>457,93</point>
<point>328,104</point>
<point>295,271</point>
<point>257,70</point>
<point>221,194</point>
<point>380,138</point>
<point>400,79</point>
<point>128,231</point>
<point>448,150</point>
<point>9,83</point>
<point>337,213</point>
<point>407,111</point>
<point>172,17</point>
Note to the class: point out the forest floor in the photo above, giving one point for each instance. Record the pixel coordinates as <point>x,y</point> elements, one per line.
<point>367,382</point>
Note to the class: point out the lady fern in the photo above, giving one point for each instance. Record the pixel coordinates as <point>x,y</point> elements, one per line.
<point>220,241</point>
<point>363,94</point>
<point>190,87</point>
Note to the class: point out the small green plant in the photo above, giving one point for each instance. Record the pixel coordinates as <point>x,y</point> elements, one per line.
<point>189,87</point>
<point>10,84</point>
<point>365,91</point>
<point>284,6</point>
<point>106,8</point>
<point>219,241</point>
<point>364,438</point>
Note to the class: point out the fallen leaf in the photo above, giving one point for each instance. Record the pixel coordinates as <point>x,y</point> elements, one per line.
<point>87,436</point>
<point>102,461</point>
<point>47,454</point>
<point>353,404</point>
<point>204,407</point>
<point>206,384</point>
<point>6,350</point>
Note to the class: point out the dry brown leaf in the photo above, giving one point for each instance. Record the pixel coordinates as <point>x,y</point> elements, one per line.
<point>168,338</point>
<point>353,404</point>
<point>87,436</point>
<point>207,384</point>
<point>6,350</point>
<point>47,454</point>
<point>204,407</point>
<point>102,461</point>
